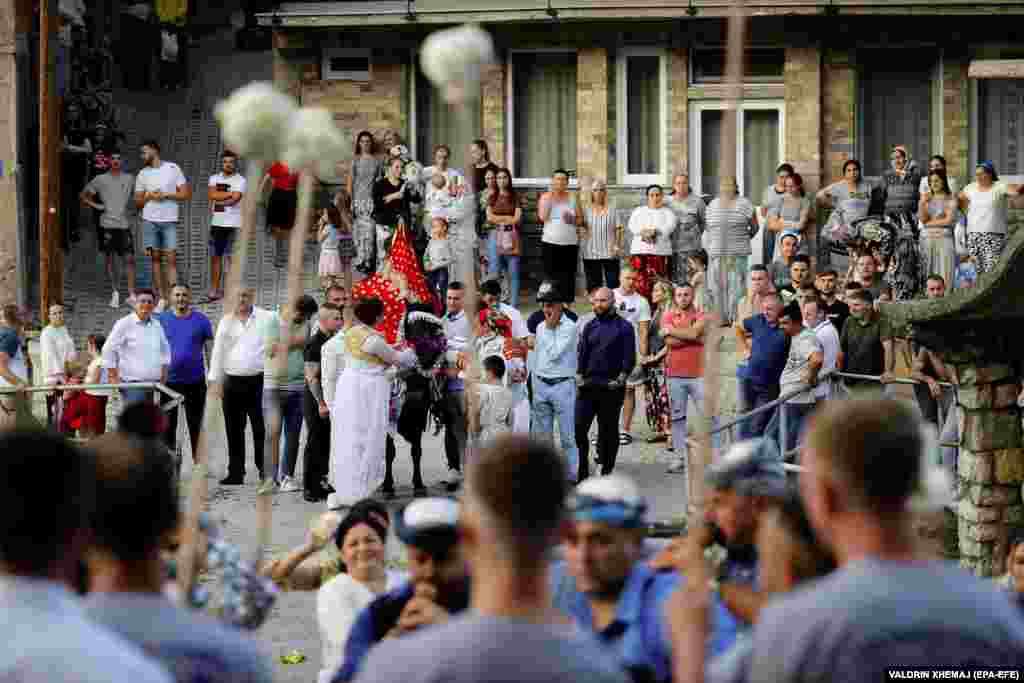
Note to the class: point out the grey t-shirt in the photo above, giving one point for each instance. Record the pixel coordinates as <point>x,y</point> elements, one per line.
<point>480,649</point>
<point>194,648</point>
<point>801,348</point>
<point>115,191</point>
<point>871,615</point>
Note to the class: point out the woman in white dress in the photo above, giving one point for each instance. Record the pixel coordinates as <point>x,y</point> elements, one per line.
<point>360,414</point>
<point>361,539</point>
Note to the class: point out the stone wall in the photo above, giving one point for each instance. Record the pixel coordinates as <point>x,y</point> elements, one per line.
<point>839,122</point>
<point>803,124</point>
<point>592,101</point>
<point>991,462</point>
<point>955,116</point>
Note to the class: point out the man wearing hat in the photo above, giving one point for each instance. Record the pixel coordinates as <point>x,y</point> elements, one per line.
<point>553,378</point>
<point>607,589</point>
<point>438,584</point>
<point>742,486</point>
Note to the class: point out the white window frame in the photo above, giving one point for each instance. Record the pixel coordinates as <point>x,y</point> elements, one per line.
<point>357,76</point>
<point>510,114</point>
<point>622,108</point>
<point>696,108</point>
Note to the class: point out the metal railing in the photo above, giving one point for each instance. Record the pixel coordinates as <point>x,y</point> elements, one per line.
<point>183,441</point>
<point>834,378</point>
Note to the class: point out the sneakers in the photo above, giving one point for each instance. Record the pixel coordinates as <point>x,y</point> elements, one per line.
<point>231,480</point>
<point>289,485</point>
<point>267,487</point>
<point>678,467</point>
<point>161,306</point>
<point>115,300</point>
<point>453,481</point>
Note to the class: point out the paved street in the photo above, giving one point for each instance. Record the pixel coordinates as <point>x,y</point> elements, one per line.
<point>292,626</point>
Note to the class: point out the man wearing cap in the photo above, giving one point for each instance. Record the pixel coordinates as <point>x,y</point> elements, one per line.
<point>608,590</point>
<point>607,356</point>
<point>438,584</point>
<point>554,374</point>
<point>742,485</point>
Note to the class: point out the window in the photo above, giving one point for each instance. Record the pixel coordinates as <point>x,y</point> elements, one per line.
<point>642,116</point>
<point>343,64</point>
<point>542,113</point>
<point>762,64</point>
<point>759,146</point>
<point>1000,133</point>
<point>436,123</point>
<point>896,106</point>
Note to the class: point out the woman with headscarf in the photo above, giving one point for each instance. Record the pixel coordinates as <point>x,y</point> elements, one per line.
<point>731,224</point>
<point>651,226</point>
<point>850,200</point>
<point>985,202</point>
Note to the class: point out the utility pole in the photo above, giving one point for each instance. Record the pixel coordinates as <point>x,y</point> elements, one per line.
<point>51,261</point>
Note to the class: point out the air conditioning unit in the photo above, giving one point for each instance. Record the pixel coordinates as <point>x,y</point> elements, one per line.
<point>346,64</point>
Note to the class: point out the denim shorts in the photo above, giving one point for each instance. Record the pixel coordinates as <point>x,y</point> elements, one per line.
<point>159,236</point>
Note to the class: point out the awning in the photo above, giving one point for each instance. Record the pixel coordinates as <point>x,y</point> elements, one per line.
<point>996,68</point>
<point>390,12</point>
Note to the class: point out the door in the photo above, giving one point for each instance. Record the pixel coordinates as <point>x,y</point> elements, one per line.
<point>1001,125</point>
<point>896,101</point>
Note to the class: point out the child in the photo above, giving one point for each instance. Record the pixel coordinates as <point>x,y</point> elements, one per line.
<point>493,414</point>
<point>96,419</point>
<point>438,256</point>
<point>698,264</point>
<point>75,410</point>
<point>966,275</point>
<point>439,198</point>
<point>336,247</point>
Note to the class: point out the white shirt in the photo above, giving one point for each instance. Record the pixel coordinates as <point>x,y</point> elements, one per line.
<point>138,350</point>
<point>166,178</point>
<point>238,346</point>
<point>987,211</point>
<point>55,348</point>
<point>96,374</point>
<point>634,308</point>
<point>49,638</point>
<point>456,329</point>
<point>556,230</point>
<point>662,219</point>
<point>332,363</point>
<point>826,333</point>
<point>519,328</point>
<point>227,216</point>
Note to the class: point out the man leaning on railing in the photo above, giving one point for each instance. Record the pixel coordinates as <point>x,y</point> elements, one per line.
<point>137,349</point>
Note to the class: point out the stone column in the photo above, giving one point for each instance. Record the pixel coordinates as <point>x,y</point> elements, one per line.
<point>990,466</point>
<point>492,105</point>
<point>803,85</point>
<point>592,111</point>
<point>13,21</point>
<point>678,111</point>
<point>955,115</point>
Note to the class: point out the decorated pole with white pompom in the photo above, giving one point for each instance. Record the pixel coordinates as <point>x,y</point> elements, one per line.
<point>251,120</point>
<point>453,60</point>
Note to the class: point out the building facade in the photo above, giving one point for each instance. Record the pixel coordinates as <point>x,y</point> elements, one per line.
<point>633,91</point>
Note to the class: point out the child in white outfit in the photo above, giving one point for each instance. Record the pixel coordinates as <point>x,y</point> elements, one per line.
<point>494,407</point>
<point>438,256</point>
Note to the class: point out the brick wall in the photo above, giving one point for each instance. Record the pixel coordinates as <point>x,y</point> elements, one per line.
<point>955,117</point>
<point>592,110</point>
<point>492,94</point>
<point>839,122</point>
<point>678,110</point>
<point>803,122</point>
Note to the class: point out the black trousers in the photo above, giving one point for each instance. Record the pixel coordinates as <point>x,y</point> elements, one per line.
<point>560,267</point>
<point>243,399</point>
<point>605,404</point>
<point>316,457</point>
<point>195,405</point>
<point>601,272</point>
<point>454,428</point>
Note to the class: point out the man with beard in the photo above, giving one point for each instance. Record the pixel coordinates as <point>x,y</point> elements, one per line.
<point>315,409</point>
<point>835,310</point>
<point>438,584</point>
<point>607,589</point>
<point>188,332</point>
<point>860,345</point>
<point>607,356</point>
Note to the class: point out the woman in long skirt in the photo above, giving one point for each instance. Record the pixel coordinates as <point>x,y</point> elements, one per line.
<point>938,215</point>
<point>360,414</point>
<point>366,168</point>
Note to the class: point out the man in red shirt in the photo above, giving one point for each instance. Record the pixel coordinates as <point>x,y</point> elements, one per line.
<point>682,327</point>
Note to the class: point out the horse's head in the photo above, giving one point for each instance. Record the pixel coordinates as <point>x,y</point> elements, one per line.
<point>425,331</point>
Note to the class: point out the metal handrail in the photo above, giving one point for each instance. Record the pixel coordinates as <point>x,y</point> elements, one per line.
<point>176,398</point>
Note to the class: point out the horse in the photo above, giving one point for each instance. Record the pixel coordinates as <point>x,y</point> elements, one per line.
<point>422,393</point>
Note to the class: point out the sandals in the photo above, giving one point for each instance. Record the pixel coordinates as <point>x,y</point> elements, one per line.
<point>625,438</point>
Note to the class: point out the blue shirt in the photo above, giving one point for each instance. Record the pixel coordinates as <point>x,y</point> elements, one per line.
<point>556,350</point>
<point>638,635</point>
<point>364,633</point>
<point>607,348</point>
<point>186,337</point>
<point>768,352</point>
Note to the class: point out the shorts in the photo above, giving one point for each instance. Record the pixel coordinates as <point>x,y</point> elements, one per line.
<point>281,208</point>
<point>159,236</point>
<point>117,241</point>
<point>222,240</point>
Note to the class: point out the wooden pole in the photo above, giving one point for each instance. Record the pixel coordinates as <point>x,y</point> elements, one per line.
<point>46,105</point>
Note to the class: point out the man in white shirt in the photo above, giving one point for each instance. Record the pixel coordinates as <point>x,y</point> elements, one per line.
<point>236,374</point>
<point>47,636</point>
<point>113,189</point>
<point>632,306</point>
<point>159,187</point>
<point>817,321</point>
<point>137,349</point>
<point>225,194</point>
<point>456,329</point>
<point>55,349</point>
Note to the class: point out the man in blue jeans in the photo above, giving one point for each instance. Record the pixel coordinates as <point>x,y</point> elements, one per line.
<point>768,347</point>
<point>159,187</point>
<point>137,349</point>
<point>806,355</point>
<point>554,376</point>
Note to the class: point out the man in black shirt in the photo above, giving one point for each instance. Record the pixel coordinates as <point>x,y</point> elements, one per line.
<point>318,425</point>
<point>835,310</point>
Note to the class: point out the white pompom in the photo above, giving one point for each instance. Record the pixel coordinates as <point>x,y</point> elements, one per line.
<point>253,120</point>
<point>452,60</point>
<point>312,140</point>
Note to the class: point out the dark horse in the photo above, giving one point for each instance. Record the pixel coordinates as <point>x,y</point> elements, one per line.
<point>421,396</point>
